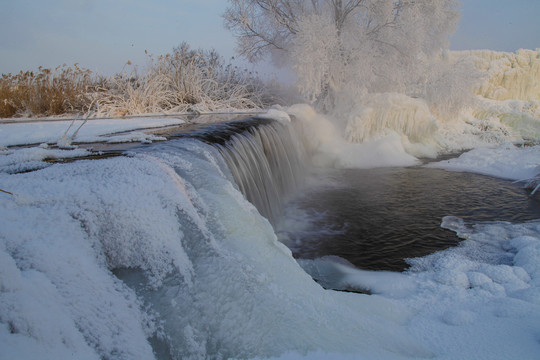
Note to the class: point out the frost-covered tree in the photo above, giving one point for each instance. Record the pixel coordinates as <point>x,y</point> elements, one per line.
<point>347,47</point>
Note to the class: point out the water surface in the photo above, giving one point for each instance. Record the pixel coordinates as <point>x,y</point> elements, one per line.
<point>377,218</point>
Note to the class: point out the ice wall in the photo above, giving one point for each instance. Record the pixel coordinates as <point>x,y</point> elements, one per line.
<point>521,119</point>
<point>328,148</point>
<point>506,107</point>
<point>509,75</point>
<point>380,113</point>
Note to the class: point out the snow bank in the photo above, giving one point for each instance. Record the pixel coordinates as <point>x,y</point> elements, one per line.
<point>62,232</point>
<point>478,300</point>
<point>506,161</point>
<point>487,287</point>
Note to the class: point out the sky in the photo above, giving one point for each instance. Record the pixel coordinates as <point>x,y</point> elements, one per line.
<point>102,35</point>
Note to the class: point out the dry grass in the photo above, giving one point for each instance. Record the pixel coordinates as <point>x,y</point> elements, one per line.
<point>47,92</point>
<point>185,81</point>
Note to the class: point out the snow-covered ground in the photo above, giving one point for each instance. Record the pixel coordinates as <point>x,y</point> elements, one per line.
<point>95,130</point>
<point>56,133</point>
<point>203,273</point>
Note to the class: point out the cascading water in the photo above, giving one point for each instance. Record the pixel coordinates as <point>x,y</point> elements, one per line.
<point>265,157</point>
<point>267,163</point>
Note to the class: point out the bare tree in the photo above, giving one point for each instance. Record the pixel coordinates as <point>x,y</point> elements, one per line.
<point>338,46</point>
<point>262,26</point>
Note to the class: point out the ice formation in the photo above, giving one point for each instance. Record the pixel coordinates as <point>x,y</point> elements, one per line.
<point>328,148</point>
<point>506,161</point>
<point>380,113</point>
<point>509,75</point>
<point>506,109</point>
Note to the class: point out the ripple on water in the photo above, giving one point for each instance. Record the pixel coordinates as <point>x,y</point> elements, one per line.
<point>376,218</point>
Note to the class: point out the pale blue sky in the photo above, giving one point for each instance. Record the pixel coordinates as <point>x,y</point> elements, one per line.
<point>504,25</point>
<point>103,35</point>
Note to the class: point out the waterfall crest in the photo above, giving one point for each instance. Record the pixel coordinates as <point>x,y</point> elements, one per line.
<point>266,161</point>
<point>265,157</point>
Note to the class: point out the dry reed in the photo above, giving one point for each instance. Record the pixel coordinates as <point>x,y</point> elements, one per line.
<point>185,81</point>
<point>47,92</point>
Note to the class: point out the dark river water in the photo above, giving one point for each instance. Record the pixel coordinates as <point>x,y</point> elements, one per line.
<point>377,218</point>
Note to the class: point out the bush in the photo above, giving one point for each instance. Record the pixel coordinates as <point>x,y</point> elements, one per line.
<point>186,80</point>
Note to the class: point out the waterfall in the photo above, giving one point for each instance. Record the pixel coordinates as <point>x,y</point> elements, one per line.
<point>264,156</point>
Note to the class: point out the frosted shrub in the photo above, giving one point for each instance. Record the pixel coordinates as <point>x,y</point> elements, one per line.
<point>132,94</point>
<point>186,80</point>
<point>448,86</point>
<point>314,50</point>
